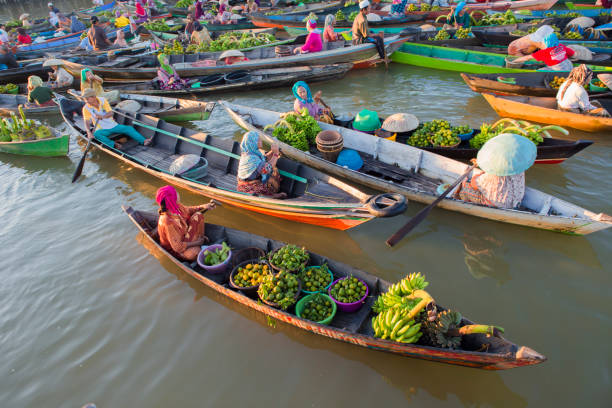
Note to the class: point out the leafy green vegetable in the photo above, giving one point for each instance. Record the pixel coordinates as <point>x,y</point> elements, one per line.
<point>216,256</point>
<point>298,130</point>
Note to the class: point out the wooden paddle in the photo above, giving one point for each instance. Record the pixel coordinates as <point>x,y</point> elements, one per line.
<point>421,215</point>
<point>79,169</point>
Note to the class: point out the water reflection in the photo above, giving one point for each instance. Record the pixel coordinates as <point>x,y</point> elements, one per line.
<point>479,388</point>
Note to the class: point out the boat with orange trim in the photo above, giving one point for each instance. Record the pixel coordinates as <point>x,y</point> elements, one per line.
<point>312,197</point>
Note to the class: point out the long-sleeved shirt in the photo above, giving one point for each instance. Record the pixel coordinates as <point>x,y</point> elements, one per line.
<point>575,97</point>
<point>314,43</point>
<point>360,29</point>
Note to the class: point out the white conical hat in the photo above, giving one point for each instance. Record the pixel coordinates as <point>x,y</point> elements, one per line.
<point>231,53</point>
<point>584,22</point>
<point>53,62</point>
<point>400,123</point>
<point>581,53</point>
<point>606,79</point>
<point>24,16</point>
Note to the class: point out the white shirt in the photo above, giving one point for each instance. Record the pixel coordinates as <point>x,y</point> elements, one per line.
<point>576,97</point>
<point>98,2</point>
<point>53,18</point>
<point>4,36</point>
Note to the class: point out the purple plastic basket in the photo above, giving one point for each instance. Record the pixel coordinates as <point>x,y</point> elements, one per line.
<point>349,307</point>
<point>214,269</point>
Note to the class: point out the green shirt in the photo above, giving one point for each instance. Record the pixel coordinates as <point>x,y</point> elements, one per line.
<point>40,95</point>
<point>464,21</point>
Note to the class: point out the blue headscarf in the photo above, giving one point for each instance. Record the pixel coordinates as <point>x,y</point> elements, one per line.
<point>305,86</point>
<point>551,40</point>
<point>459,7</point>
<point>251,159</point>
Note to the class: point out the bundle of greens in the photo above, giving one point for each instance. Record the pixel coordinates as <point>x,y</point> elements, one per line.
<point>298,130</point>
<point>231,41</point>
<point>216,256</point>
<point>535,133</point>
<point>18,128</point>
<point>183,3</point>
<point>8,88</point>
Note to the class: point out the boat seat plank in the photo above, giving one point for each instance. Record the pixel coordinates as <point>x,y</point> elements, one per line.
<point>221,179</point>
<point>218,160</point>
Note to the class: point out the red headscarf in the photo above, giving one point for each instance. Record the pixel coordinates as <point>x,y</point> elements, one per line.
<point>169,195</point>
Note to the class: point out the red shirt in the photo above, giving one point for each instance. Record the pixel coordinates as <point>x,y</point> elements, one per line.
<point>553,55</point>
<point>24,39</point>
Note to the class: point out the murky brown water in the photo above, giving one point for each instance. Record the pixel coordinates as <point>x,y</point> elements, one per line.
<point>88,314</point>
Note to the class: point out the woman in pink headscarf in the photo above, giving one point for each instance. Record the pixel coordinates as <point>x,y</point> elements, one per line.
<point>141,12</point>
<point>180,228</point>
<point>314,42</point>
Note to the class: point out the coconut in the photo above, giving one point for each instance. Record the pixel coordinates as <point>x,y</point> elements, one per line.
<point>400,123</point>
<point>581,53</point>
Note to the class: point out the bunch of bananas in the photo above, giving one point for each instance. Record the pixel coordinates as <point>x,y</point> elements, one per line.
<point>441,36</point>
<point>573,35</point>
<point>436,332</point>
<point>463,33</point>
<point>425,7</point>
<point>340,16</point>
<point>394,324</point>
<point>405,287</point>
<point>411,8</point>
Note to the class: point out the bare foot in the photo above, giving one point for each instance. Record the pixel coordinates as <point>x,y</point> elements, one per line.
<point>148,142</point>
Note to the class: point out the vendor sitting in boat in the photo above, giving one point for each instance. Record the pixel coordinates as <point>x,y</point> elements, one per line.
<point>38,94</point>
<point>572,97</point>
<point>361,31</point>
<point>120,41</point>
<point>98,111</point>
<point>501,182</point>
<point>257,172</point>
<point>224,16</point>
<point>314,105</point>
<point>141,12</point>
<point>97,35</point>
<point>528,44</point>
<point>121,20</point>
<point>22,37</point>
<point>252,7</point>
<point>200,34</point>
<point>167,78</point>
<point>232,57</point>
<point>460,17</point>
<point>58,77</point>
<point>180,228</point>
<point>76,25</point>
<point>91,81</point>
<point>554,55</point>
<point>25,20</point>
<point>329,35</point>
<point>314,43</point>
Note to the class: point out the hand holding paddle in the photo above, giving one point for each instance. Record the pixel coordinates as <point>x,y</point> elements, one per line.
<point>421,215</point>
<point>79,169</point>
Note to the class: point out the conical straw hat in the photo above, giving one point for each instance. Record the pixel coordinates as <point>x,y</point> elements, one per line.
<point>606,79</point>
<point>400,123</point>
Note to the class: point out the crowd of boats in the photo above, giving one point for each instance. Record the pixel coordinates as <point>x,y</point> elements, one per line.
<point>152,74</point>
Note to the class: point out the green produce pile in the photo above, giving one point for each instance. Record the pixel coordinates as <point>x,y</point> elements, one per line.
<point>494,19</point>
<point>281,289</point>
<point>411,8</point>
<point>572,35</point>
<point>311,16</point>
<point>233,40</point>
<point>316,278</point>
<point>318,308</point>
<point>106,14</point>
<point>462,33</point>
<point>290,258</point>
<point>183,3</point>
<point>438,132</point>
<point>216,256</point>
<point>18,128</point>
<point>13,24</point>
<point>8,88</point>
<point>440,36</point>
<point>425,7</point>
<point>275,12</point>
<point>353,15</point>
<point>406,312</point>
<point>535,133</point>
<point>340,16</point>
<point>436,8</point>
<point>175,49</point>
<point>298,130</point>
<point>348,290</point>
<point>157,25</point>
<point>250,275</point>
<point>573,14</point>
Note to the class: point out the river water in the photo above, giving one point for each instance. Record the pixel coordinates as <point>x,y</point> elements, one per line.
<point>88,314</point>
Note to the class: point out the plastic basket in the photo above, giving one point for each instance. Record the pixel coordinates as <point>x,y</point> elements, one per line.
<point>299,307</point>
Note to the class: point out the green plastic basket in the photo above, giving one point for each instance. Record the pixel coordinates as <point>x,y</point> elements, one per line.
<point>301,304</point>
<point>595,88</point>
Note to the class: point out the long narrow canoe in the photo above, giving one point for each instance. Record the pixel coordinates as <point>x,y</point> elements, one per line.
<point>476,350</point>
<point>194,65</point>
<point>88,12</point>
<point>514,5</point>
<point>526,84</point>
<point>586,13</point>
<point>313,197</point>
<point>170,109</point>
<point>21,74</point>
<point>53,146</point>
<point>280,21</point>
<point>460,60</point>
<point>544,110</point>
<point>258,79</point>
<point>400,168</point>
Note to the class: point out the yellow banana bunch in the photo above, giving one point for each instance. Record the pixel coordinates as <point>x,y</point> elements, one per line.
<point>405,287</point>
<point>394,324</point>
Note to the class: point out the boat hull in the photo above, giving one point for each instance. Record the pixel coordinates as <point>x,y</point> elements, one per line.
<point>523,356</point>
<point>506,107</point>
<point>56,146</point>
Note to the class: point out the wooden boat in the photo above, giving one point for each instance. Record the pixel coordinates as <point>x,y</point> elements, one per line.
<point>527,84</point>
<point>560,12</point>
<point>194,65</point>
<point>544,110</point>
<point>461,60</point>
<point>257,79</point>
<point>171,109</point>
<point>297,20</point>
<point>313,197</point>
<point>478,350</point>
<point>514,5</point>
<point>88,12</point>
<point>53,146</point>
<point>21,74</point>
<point>400,168</point>
<point>550,151</point>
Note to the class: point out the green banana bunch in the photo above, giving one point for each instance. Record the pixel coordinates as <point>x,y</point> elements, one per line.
<point>394,324</point>
<point>405,287</point>
<point>388,300</point>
